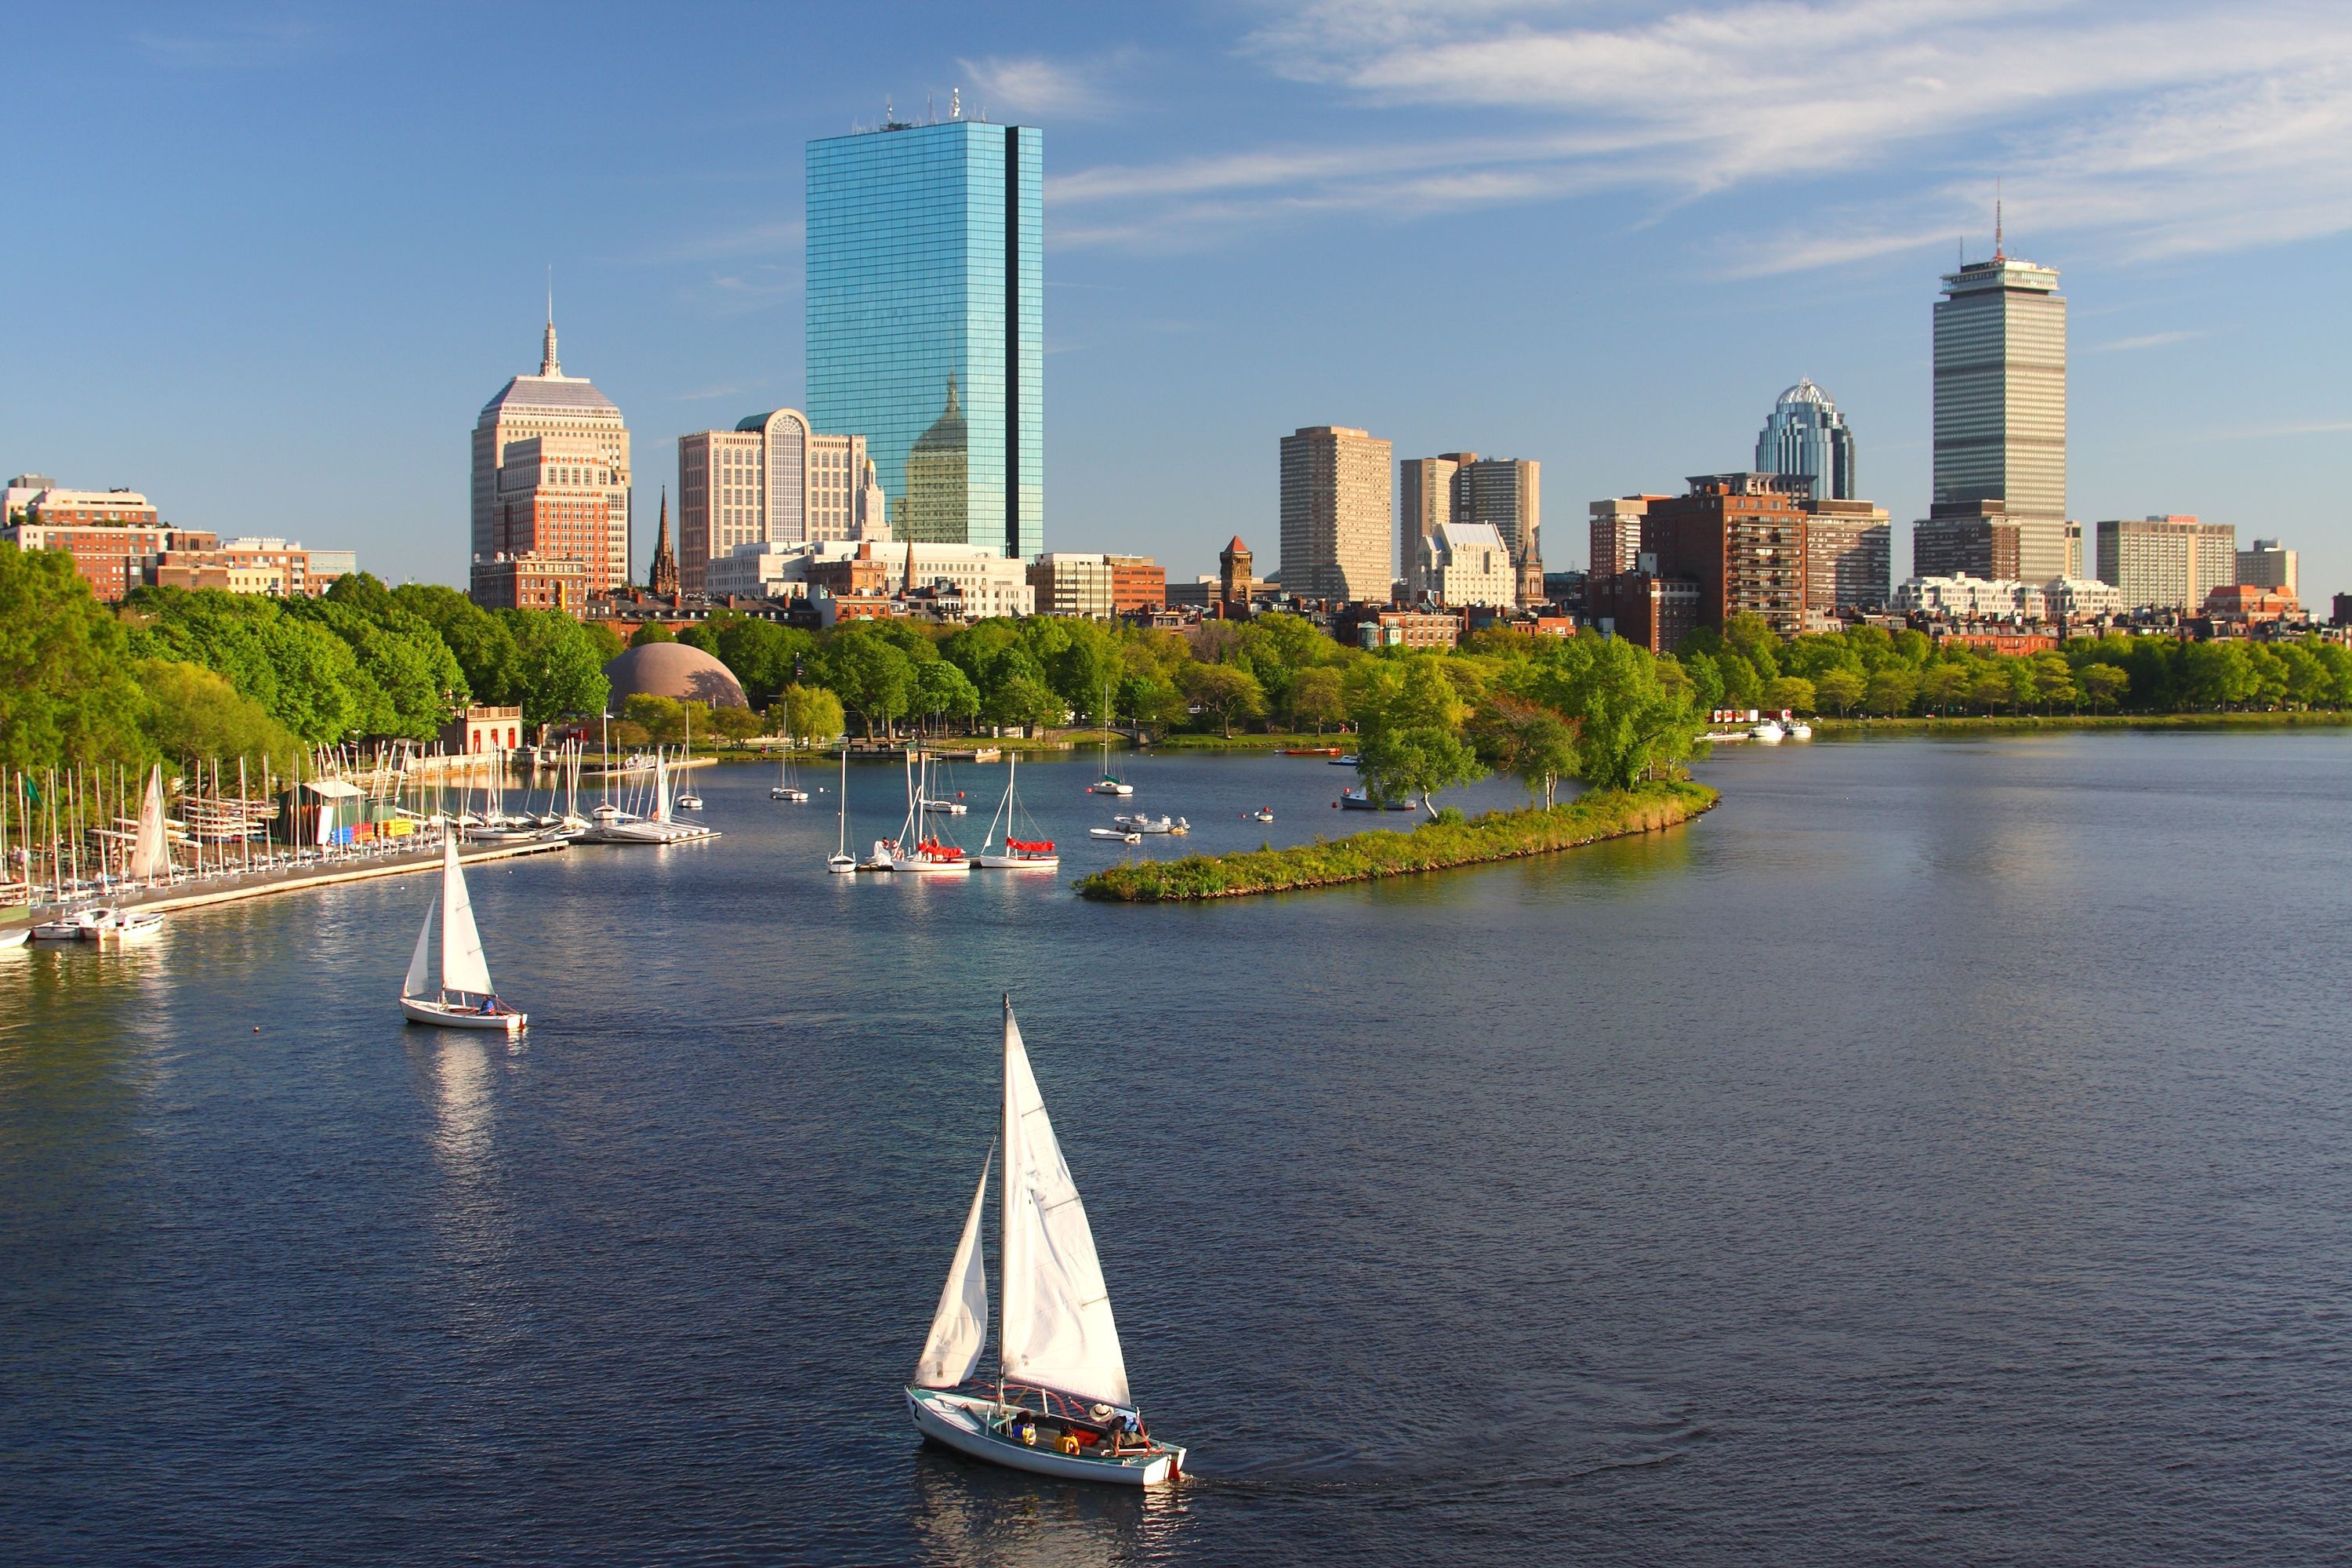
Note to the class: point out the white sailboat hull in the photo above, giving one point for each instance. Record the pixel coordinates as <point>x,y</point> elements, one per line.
<point>961,1422</point>
<point>455,1015</point>
<point>988,862</point>
<point>922,868</point>
<point>15,937</point>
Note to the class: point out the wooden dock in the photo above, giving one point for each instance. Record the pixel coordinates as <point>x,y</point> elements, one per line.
<point>295,880</point>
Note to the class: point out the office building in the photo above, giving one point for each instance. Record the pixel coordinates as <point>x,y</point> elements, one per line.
<point>772,479</point>
<point>925,323</point>
<point>2001,406</point>
<point>1502,493</point>
<point>1425,500</point>
<point>529,582</point>
<point>554,501</point>
<point>1335,515</point>
<point>1849,557</point>
<point>1616,534</point>
<point>567,409</point>
<point>2166,562</point>
<point>2268,567</point>
<point>1642,608</point>
<point>1984,546</point>
<point>1096,588</point>
<point>1807,436</point>
<point>1740,538</point>
<point>1465,563</point>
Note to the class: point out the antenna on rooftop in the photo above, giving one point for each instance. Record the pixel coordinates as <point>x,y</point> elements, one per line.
<point>955,103</point>
<point>1996,218</point>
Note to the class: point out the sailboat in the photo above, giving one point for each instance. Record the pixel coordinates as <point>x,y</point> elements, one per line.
<point>1059,1404</point>
<point>661,827</point>
<point>920,847</point>
<point>1018,853</point>
<point>788,784</point>
<point>842,863</point>
<point>466,999</point>
<point>687,800</point>
<point>1110,782</point>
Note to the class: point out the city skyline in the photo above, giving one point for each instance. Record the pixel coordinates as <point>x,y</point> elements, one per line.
<point>1212,272</point>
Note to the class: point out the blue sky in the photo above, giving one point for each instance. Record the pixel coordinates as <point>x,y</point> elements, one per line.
<point>266,263</point>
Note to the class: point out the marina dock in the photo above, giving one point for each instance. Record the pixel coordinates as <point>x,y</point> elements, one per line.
<point>228,888</point>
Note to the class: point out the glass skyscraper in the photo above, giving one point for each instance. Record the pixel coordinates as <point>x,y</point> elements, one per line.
<point>1807,436</point>
<point>925,323</point>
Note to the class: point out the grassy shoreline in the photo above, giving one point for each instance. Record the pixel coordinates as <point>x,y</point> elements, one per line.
<point>1825,727</point>
<point>1432,847</point>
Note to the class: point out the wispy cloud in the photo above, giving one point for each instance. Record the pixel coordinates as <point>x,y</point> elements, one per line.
<point>708,393</point>
<point>232,46</point>
<point>1047,90</point>
<point>2145,341</point>
<point>2265,432</point>
<point>2172,127</point>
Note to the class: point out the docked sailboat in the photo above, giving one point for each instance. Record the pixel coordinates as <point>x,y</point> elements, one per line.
<point>686,799</point>
<point>842,863</point>
<point>920,849</point>
<point>464,999</point>
<point>788,783</point>
<point>1110,782</point>
<point>1033,853</point>
<point>661,827</point>
<point>1059,1404</point>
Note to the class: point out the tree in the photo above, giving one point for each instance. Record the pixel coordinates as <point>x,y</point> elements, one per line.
<point>1941,684</point>
<point>651,632</point>
<point>1022,701</point>
<point>736,725</point>
<point>1150,698</point>
<point>1841,688</point>
<point>1891,690</point>
<point>192,711</point>
<point>1420,760</point>
<point>1315,698</point>
<point>480,642</point>
<point>2053,681</point>
<point>943,691</point>
<point>872,675</point>
<point>1794,692</point>
<point>66,689</point>
<point>1527,738</point>
<point>558,669</point>
<point>2105,684</point>
<point>808,713</point>
<point>1226,691</point>
<point>662,719</point>
<point>1627,722</point>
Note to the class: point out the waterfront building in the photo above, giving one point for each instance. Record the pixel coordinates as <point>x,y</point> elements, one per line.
<point>1964,598</point>
<point>566,408</point>
<point>483,730</point>
<point>1806,435</point>
<point>1616,534</point>
<point>1741,539</point>
<point>1849,549</point>
<point>925,323</point>
<point>529,581</point>
<point>1465,563</point>
<point>2268,567</point>
<point>2085,599</point>
<point>2166,562</point>
<point>113,557</point>
<point>555,503</point>
<point>2001,406</point>
<point>1642,608</point>
<point>1096,588</point>
<point>1335,515</point>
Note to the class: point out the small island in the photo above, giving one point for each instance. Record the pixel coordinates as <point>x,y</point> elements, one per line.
<point>1451,840</point>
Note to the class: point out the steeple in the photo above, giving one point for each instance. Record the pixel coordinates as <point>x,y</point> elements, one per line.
<point>663,578</point>
<point>548,364</point>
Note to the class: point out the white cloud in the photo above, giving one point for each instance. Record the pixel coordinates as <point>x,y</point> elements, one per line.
<point>1043,89</point>
<point>2145,341</point>
<point>2172,127</point>
<point>230,46</point>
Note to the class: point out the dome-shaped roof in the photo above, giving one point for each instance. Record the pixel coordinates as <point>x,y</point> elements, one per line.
<point>574,394</point>
<point>1804,391</point>
<point>948,429</point>
<point>673,669</point>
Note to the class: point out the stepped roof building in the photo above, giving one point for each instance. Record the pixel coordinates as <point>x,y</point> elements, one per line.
<point>569,407</point>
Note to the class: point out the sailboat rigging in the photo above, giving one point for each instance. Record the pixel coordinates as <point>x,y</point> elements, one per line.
<point>842,863</point>
<point>1032,853</point>
<point>1059,1404</point>
<point>464,999</point>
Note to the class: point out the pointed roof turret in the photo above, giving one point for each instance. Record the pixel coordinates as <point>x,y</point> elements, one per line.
<point>549,365</point>
<point>663,577</point>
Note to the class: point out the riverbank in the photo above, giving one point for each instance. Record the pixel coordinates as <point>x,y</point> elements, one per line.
<point>1825,727</point>
<point>1432,847</point>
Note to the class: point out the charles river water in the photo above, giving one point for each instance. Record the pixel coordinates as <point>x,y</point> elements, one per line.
<point>1942,1152</point>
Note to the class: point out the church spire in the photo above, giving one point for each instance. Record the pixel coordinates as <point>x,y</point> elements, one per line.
<point>664,576</point>
<point>548,364</point>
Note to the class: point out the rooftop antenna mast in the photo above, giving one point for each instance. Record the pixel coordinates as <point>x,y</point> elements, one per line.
<point>1997,253</point>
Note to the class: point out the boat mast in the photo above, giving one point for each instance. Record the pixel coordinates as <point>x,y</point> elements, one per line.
<point>1003,1198</point>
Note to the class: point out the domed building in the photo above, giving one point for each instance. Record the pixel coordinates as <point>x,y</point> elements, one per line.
<point>1807,436</point>
<point>673,670</point>
<point>937,470</point>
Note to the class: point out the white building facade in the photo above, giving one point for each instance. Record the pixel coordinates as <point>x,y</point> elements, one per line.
<point>1465,563</point>
<point>1973,598</point>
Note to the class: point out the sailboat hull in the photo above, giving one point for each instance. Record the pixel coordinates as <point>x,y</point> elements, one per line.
<point>988,862</point>
<point>959,1421</point>
<point>452,1016</point>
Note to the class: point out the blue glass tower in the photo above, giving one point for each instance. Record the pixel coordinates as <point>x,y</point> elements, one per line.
<point>1807,436</point>
<point>925,323</point>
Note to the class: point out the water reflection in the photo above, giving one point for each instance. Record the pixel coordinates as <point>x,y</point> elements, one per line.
<point>977,1516</point>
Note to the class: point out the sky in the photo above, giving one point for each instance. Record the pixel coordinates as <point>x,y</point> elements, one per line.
<point>266,263</point>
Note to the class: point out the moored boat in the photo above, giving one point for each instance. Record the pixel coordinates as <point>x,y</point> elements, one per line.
<point>1357,798</point>
<point>1030,854</point>
<point>1122,835</point>
<point>79,925</point>
<point>840,862</point>
<point>1059,1404</point>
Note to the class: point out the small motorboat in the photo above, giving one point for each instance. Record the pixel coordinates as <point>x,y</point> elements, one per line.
<point>14,938</point>
<point>128,925</point>
<point>1141,824</point>
<point>1263,814</point>
<point>1767,731</point>
<point>1118,835</point>
<point>81,925</point>
<point>1797,730</point>
<point>1360,799</point>
<point>1347,761</point>
<point>947,807</point>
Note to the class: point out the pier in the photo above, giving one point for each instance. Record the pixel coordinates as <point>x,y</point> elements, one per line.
<point>229,887</point>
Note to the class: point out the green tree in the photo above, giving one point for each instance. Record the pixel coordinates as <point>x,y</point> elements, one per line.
<point>942,692</point>
<point>1794,692</point>
<point>479,641</point>
<point>2105,684</point>
<point>651,632</point>
<point>1527,738</point>
<point>1628,722</point>
<point>1151,699</point>
<point>1839,689</point>
<point>765,657</point>
<point>1400,763</point>
<point>1891,691</point>
<point>1315,698</point>
<point>662,719</point>
<point>1023,700</point>
<point>734,724</point>
<point>66,694</point>
<point>1226,691</point>
<point>871,673</point>
<point>808,713</point>
<point>1943,684</point>
<point>191,711</point>
<point>558,669</point>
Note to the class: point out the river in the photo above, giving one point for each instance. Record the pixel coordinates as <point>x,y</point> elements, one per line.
<point>1936,1154</point>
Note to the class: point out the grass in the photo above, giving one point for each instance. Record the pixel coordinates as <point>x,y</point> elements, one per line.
<point>1432,847</point>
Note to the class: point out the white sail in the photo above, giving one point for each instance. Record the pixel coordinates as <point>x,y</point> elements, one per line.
<point>661,789</point>
<point>417,971</point>
<point>463,966</point>
<point>959,1328</point>
<point>150,855</point>
<point>1059,1330</point>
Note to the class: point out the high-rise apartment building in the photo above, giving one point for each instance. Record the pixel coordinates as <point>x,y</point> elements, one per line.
<point>2267,566</point>
<point>1425,500</point>
<point>1741,539</point>
<point>1849,548</point>
<point>771,479</point>
<point>566,408</point>
<point>1616,534</point>
<point>1502,493</point>
<point>2001,406</point>
<point>1807,436</point>
<point>925,321</point>
<point>1467,563</point>
<point>2166,562</point>
<point>1335,515</point>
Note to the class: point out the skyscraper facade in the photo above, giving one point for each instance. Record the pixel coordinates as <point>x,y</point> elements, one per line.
<point>925,321</point>
<point>1335,515</point>
<point>567,408</point>
<point>772,480</point>
<point>1807,436</point>
<point>1424,501</point>
<point>2166,562</point>
<point>1505,494</point>
<point>2001,406</point>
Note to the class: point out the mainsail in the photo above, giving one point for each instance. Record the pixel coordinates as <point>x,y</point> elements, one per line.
<point>1059,1331</point>
<point>661,790</point>
<point>463,966</point>
<point>150,855</point>
<point>959,1328</point>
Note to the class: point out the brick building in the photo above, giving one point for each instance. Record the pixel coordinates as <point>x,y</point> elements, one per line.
<point>1740,538</point>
